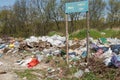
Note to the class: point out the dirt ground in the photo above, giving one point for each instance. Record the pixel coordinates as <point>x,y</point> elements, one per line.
<point>102,71</point>
<point>8,67</point>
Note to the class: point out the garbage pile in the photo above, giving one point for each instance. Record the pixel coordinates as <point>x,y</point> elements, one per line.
<point>107,49</point>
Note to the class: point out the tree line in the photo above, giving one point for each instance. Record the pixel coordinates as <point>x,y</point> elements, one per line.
<point>39,17</point>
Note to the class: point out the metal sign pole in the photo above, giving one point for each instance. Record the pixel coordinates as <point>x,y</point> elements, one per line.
<point>88,51</point>
<point>67,56</point>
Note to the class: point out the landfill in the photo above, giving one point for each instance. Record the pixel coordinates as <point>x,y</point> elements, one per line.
<point>33,51</point>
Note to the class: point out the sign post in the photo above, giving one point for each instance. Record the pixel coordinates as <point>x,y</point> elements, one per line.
<point>81,6</point>
<point>67,38</point>
<point>88,51</point>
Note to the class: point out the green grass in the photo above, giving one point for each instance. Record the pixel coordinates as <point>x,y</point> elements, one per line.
<point>28,74</point>
<point>112,33</point>
<point>90,76</point>
<point>95,34</point>
<point>54,32</point>
<point>81,34</point>
<point>78,34</point>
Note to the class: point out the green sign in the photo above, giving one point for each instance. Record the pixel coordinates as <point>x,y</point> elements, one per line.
<point>73,7</point>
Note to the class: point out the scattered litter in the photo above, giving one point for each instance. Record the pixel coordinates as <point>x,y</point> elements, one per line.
<point>51,47</point>
<point>79,74</point>
<point>87,70</point>
<point>1,63</point>
<point>34,61</point>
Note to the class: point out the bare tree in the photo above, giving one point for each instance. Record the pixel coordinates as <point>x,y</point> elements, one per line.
<point>20,13</point>
<point>114,13</point>
<point>96,9</point>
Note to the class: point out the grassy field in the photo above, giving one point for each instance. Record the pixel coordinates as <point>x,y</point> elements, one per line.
<point>81,34</point>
